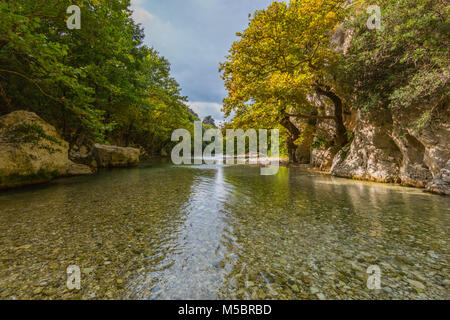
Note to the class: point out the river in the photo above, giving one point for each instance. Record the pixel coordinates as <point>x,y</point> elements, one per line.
<point>161,231</point>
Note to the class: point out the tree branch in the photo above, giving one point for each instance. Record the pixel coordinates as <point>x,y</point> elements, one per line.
<point>34,82</point>
<point>305,116</point>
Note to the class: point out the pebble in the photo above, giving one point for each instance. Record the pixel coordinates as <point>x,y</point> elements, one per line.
<point>314,290</point>
<point>288,244</point>
<point>416,284</point>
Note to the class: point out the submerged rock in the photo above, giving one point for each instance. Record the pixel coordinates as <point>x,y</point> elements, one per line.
<point>114,156</point>
<point>31,151</point>
<point>77,169</point>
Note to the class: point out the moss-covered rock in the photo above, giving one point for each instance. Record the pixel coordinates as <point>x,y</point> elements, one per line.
<point>31,151</point>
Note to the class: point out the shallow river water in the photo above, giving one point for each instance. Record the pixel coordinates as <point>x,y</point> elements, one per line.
<point>216,232</point>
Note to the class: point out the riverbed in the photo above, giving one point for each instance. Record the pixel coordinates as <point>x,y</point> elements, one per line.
<point>161,231</point>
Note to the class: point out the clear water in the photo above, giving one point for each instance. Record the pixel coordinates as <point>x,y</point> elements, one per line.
<point>217,232</point>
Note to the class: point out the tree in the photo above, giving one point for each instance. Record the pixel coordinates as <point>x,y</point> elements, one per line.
<point>208,120</point>
<point>282,59</point>
<point>98,83</point>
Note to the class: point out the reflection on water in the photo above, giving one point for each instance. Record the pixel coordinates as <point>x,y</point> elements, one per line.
<point>217,231</point>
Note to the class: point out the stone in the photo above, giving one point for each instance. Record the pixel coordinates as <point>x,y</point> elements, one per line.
<point>416,284</point>
<point>441,183</point>
<point>38,290</point>
<point>314,290</point>
<point>31,151</point>
<point>321,296</point>
<point>295,288</point>
<point>372,154</point>
<point>88,270</point>
<point>322,158</point>
<point>78,169</point>
<point>114,156</point>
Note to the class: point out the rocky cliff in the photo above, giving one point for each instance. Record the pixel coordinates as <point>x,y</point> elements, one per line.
<point>388,146</point>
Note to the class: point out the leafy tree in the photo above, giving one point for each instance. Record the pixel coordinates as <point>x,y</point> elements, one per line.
<point>99,83</point>
<point>208,120</point>
<point>282,59</point>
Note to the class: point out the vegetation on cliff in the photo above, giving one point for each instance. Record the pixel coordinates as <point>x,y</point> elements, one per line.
<point>404,64</point>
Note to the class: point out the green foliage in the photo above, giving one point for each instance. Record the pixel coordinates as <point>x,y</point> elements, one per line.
<point>99,82</point>
<point>282,61</point>
<point>405,63</point>
<point>29,133</point>
<point>320,142</point>
<point>281,58</point>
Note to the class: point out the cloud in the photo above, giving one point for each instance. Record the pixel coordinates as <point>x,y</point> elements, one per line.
<point>140,15</point>
<point>204,109</point>
<point>195,36</point>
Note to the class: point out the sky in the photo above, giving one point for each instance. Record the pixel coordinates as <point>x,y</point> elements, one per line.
<point>195,36</point>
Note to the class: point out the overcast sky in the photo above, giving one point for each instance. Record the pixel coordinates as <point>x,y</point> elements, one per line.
<point>195,35</point>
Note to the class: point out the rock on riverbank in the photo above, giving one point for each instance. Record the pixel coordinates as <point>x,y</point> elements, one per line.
<point>113,156</point>
<point>31,151</point>
<point>441,183</point>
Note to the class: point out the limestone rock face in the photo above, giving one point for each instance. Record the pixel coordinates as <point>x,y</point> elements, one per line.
<point>372,155</point>
<point>322,158</point>
<point>113,156</point>
<point>31,151</point>
<point>441,183</point>
<point>387,147</point>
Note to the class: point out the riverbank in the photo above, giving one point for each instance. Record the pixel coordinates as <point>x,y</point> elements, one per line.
<point>32,152</point>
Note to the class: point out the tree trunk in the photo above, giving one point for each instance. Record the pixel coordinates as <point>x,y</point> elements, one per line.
<point>294,134</point>
<point>341,132</point>
<point>128,135</point>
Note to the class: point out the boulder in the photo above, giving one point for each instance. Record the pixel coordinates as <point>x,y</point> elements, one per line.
<point>114,156</point>
<point>78,169</point>
<point>322,158</point>
<point>31,151</point>
<point>441,183</point>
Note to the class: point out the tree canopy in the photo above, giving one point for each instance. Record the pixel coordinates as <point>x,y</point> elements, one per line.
<point>281,61</point>
<point>404,64</point>
<point>287,65</point>
<point>99,82</point>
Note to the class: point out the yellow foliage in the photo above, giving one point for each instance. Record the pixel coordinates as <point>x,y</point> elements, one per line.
<point>281,55</point>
